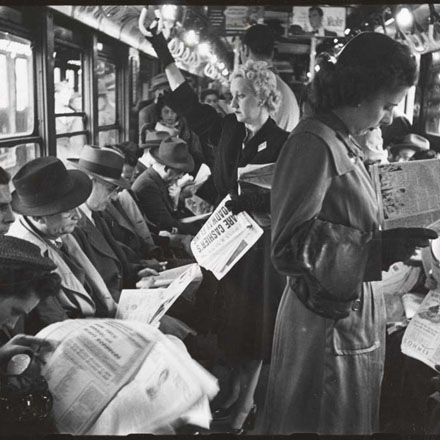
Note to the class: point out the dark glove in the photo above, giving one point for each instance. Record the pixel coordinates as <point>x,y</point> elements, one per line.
<point>248,202</point>
<point>159,44</point>
<point>400,243</point>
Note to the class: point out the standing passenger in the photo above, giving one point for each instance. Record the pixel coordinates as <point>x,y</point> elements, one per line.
<point>328,352</point>
<point>258,45</point>
<point>252,289</point>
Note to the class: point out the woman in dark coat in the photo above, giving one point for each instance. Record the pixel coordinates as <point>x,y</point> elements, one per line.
<point>252,289</point>
<point>328,352</point>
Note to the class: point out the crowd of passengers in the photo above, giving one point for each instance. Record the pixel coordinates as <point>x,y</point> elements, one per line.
<point>76,232</point>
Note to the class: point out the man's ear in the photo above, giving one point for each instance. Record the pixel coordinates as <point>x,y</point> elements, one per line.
<point>244,53</point>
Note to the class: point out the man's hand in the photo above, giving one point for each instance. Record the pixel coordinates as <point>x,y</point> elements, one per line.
<point>23,344</point>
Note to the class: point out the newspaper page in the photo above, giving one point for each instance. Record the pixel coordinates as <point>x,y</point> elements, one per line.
<point>89,367</point>
<point>408,193</point>
<point>112,377</point>
<point>224,239</point>
<point>257,178</point>
<point>421,339</point>
<point>149,305</point>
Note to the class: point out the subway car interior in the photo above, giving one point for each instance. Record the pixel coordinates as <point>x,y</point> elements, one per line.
<point>152,161</point>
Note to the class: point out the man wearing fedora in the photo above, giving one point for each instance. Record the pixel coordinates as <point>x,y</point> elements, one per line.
<point>171,161</point>
<point>47,196</point>
<point>116,263</point>
<point>410,144</point>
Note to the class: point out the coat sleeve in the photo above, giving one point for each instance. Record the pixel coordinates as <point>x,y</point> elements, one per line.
<point>303,175</point>
<point>201,118</point>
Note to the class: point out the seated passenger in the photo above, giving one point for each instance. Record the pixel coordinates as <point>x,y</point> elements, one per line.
<point>6,214</point>
<point>172,161</point>
<point>26,278</point>
<point>47,195</point>
<point>104,166</point>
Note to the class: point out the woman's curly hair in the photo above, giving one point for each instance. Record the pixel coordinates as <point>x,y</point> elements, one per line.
<point>360,72</point>
<point>263,81</point>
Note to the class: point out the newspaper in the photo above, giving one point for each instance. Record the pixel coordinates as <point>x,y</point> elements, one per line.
<point>257,178</point>
<point>408,193</point>
<point>224,239</point>
<point>149,305</point>
<point>112,377</point>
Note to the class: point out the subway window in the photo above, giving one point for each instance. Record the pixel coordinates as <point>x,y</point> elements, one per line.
<point>16,86</point>
<point>70,117</point>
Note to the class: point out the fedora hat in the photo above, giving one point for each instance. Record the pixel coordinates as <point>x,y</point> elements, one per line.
<point>154,138</point>
<point>159,80</point>
<point>102,163</point>
<point>173,152</point>
<point>44,186</point>
<point>413,141</point>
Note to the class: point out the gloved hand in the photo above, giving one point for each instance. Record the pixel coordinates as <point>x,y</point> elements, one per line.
<point>154,35</point>
<point>248,202</point>
<point>400,243</point>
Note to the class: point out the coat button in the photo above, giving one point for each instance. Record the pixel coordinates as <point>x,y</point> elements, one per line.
<point>356,305</point>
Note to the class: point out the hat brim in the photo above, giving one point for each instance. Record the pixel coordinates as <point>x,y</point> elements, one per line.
<point>397,147</point>
<point>149,144</point>
<point>123,183</point>
<point>81,187</point>
<point>186,167</point>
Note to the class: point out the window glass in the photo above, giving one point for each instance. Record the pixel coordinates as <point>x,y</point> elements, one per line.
<point>68,101</point>
<point>108,137</point>
<point>106,73</point>
<point>16,86</point>
<point>12,159</point>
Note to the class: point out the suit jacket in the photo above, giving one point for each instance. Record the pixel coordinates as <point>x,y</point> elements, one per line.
<point>228,135</point>
<point>101,254</point>
<point>155,202</point>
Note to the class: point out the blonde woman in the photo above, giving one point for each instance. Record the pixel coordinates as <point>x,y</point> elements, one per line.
<point>251,290</point>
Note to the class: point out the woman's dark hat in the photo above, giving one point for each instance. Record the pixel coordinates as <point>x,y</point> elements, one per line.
<point>44,186</point>
<point>154,138</point>
<point>413,141</point>
<point>173,152</point>
<point>15,251</point>
<point>102,163</point>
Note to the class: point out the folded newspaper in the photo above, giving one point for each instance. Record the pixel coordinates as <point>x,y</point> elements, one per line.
<point>150,305</point>
<point>224,239</point>
<point>113,377</point>
<point>257,178</point>
<point>408,193</point>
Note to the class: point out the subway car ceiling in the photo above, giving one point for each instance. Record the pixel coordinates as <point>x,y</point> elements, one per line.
<point>75,74</point>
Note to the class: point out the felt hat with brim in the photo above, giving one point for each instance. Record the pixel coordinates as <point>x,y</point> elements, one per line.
<point>103,163</point>
<point>413,141</point>
<point>173,152</point>
<point>16,252</point>
<point>159,81</point>
<point>154,138</point>
<point>44,186</point>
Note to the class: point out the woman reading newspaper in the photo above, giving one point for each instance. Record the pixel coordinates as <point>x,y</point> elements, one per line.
<point>252,289</point>
<point>328,353</point>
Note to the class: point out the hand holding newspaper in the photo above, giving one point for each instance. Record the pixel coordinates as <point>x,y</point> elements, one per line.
<point>224,239</point>
<point>112,377</point>
<point>149,305</point>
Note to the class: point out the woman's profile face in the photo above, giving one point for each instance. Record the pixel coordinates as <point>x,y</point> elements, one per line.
<point>169,118</point>
<point>377,110</point>
<point>12,307</point>
<point>244,101</point>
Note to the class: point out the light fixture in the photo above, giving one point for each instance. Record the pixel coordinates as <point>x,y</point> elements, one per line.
<point>204,49</point>
<point>225,72</point>
<point>221,65</point>
<point>213,59</point>
<point>100,46</point>
<point>191,38</point>
<point>168,12</point>
<point>404,18</point>
<point>347,31</point>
